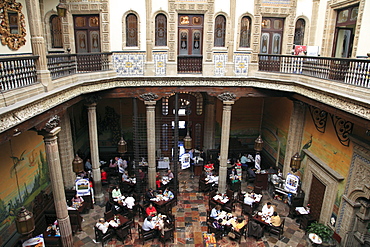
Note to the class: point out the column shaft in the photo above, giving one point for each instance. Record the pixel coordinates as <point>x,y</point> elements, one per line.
<point>225,133</point>
<point>94,151</point>
<point>150,123</point>
<point>38,43</point>
<point>66,151</point>
<point>52,156</point>
<point>295,134</point>
<point>209,124</point>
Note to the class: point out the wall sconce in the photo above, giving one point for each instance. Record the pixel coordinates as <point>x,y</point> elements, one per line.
<point>258,144</point>
<point>62,9</point>
<point>77,164</point>
<point>25,222</point>
<point>295,162</point>
<point>122,146</point>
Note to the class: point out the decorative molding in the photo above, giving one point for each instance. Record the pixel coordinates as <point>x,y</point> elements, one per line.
<point>226,96</point>
<point>319,118</point>
<point>52,123</point>
<point>13,116</point>
<point>149,96</point>
<point>343,129</point>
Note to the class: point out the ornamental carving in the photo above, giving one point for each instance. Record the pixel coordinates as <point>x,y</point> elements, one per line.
<point>12,24</point>
<point>149,96</point>
<point>319,118</point>
<point>92,99</point>
<point>226,96</point>
<point>343,129</point>
<point>52,123</point>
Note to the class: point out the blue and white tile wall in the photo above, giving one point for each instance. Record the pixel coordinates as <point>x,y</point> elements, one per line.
<point>160,61</point>
<point>241,61</point>
<point>129,64</point>
<point>220,63</point>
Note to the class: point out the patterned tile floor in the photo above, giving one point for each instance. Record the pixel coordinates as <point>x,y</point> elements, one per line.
<point>190,222</point>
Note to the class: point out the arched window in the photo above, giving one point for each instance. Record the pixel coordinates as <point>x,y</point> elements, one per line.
<point>299,32</point>
<point>56,32</point>
<point>220,30</point>
<point>245,32</point>
<point>131,30</point>
<point>160,30</point>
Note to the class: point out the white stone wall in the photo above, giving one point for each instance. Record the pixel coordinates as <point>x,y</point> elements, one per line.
<point>363,41</point>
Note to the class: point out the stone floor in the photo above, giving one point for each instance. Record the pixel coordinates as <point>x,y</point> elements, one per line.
<point>190,215</point>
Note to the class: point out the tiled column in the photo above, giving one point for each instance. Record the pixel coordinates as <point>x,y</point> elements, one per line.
<point>209,124</point>
<point>94,150</point>
<point>150,123</point>
<point>52,156</point>
<point>225,134</point>
<point>38,43</point>
<point>66,151</point>
<point>295,134</point>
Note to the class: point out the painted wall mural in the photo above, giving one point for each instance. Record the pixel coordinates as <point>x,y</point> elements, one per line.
<point>24,173</point>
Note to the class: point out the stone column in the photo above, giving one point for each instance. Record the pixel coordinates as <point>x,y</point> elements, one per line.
<point>150,123</point>
<point>295,134</point>
<point>52,156</point>
<point>66,151</point>
<point>149,39</point>
<point>38,43</point>
<point>150,129</point>
<point>230,40</point>
<point>94,150</point>
<point>209,123</point>
<point>227,99</point>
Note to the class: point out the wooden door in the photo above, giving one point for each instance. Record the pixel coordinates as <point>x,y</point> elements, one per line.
<point>87,33</point>
<point>317,193</point>
<point>271,35</point>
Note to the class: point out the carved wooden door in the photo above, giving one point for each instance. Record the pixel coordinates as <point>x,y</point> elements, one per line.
<point>87,33</point>
<point>317,193</point>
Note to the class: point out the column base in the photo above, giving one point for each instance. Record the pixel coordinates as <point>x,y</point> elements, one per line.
<point>100,199</point>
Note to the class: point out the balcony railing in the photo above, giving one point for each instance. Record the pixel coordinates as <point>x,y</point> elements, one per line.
<point>61,65</point>
<point>189,65</point>
<point>351,71</point>
<point>91,62</point>
<point>17,72</point>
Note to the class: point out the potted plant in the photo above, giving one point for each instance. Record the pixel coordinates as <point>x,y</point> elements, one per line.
<point>321,230</point>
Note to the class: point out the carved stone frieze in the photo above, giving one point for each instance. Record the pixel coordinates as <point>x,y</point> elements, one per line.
<point>11,118</point>
<point>149,96</point>
<point>52,123</point>
<point>226,96</point>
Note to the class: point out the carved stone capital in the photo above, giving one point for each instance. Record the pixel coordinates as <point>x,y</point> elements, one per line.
<point>149,96</point>
<point>52,123</point>
<point>226,96</point>
<point>92,99</point>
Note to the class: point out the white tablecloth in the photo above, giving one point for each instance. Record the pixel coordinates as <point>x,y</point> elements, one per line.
<point>163,164</point>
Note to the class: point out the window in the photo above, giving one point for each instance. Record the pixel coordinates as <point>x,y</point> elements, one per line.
<point>299,32</point>
<point>245,32</point>
<point>56,32</point>
<point>160,30</point>
<point>220,29</point>
<point>131,30</point>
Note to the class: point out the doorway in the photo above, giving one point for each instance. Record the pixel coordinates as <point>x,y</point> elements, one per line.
<point>190,43</point>
<point>87,33</point>
<point>271,35</point>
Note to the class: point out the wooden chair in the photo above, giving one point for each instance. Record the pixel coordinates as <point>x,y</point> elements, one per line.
<point>257,189</point>
<point>101,237</point>
<point>108,215</point>
<point>124,232</point>
<point>211,229</point>
<point>145,235</point>
<point>168,234</point>
<point>277,230</point>
<point>239,234</point>
<point>247,209</point>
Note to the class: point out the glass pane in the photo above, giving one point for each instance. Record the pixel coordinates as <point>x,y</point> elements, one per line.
<point>265,39</point>
<point>299,32</point>
<point>354,13</point>
<point>196,42</point>
<point>161,30</point>
<point>220,28</point>
<point>183,42</point>
<point>131,30</point>
<point>245,32</point>
<point>276,43</point>
<point>343,43</point>
<point>343,16</point>
<point>81,41</point>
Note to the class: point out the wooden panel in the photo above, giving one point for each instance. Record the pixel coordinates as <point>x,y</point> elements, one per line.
<point>317,193</point>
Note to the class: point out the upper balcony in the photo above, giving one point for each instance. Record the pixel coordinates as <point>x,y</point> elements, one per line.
<point>340,83</point>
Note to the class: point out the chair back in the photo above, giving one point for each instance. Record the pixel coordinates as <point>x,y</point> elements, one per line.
<point>108,215</point>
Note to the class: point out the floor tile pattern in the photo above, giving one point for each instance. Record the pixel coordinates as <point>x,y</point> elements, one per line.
<point>190,215</point>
